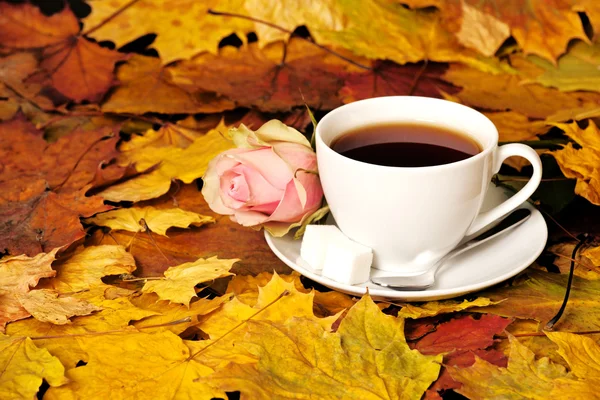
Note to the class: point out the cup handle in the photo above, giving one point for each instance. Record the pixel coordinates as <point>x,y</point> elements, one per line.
<point>503,152</point>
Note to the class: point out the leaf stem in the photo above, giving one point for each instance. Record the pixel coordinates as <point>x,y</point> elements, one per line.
<point>282,29</point>
<point>110,17</point>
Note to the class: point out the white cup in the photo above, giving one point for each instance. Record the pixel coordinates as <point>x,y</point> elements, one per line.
<point>411,217</point>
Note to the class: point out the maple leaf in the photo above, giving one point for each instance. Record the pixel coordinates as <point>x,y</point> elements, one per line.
<point>536,379</point>
<point>165,369</point>
<point>17,275</point>
<point>298,357</point>
<point>44,185</point>
<point>433,308</point>
<point>576,70</point>
<point>505,92</point>
<point>183,29</point>
<point>170,163</point>
<point>540,296</point>
<point>146,86</point>
<point>46,306</point>
<point>24,366</point>
<point>461,339</point>
<point>157,220</point>
<point>246,289</point>
<point>389,30</point>
<point>587,261</point>
<point>276,78</point>
<point>485,25</point>
<point>181,134</point>
<point>390,79</point>
<point>516,127</point>
<point>582,164</point>
<point>65,341</point>
<point>86,267</point>
<point>78,68</point>
<point>178,285</point>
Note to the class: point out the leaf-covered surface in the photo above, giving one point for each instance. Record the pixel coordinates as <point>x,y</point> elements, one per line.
<point>110,112</point>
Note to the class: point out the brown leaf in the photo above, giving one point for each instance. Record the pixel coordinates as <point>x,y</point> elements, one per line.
<point>264,78</point>
<point>17,275</point>
<point>75,67</point>
<point>390,79</point>
<point>146,86</point>
<point>43,185</point>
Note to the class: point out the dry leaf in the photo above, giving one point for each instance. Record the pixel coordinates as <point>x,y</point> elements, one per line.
<point>516,127</point>
<point>24,366</point>
<point>588,263</point>
<point>433,308</point>
<point>178,285</point>
<point>252,77</point>
<point>576,70</point>
<point>44,185</point>
<point>164,369</point>
<point>45,305</point>
<point>148,87</point>
<point>390,79</point>
<point>505,92</point>
<point>297,357</point>
<point>536,379</point>
<point>168,312</point>
<point>540,296</point>
<point>85,269</point>
<point>77,68</point>
<point>170,163</point>
<point>17,275</point>
<point>582,164</point>
<point>157,220</point>
<point>64,341</point>
<point>181,135</point>
<point>183,29</point>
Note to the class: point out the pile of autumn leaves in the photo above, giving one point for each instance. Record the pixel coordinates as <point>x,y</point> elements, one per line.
<point>82,161</point>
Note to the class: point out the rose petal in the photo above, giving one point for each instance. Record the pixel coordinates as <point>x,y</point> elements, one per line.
<point>211,188</point>
<point>276,171</point>
<point>314,191</point>
<point>296,156</point>
<point>267,208</point>
<point>275,130</point>
<point>233,190</point>
<point>289,209</point>
<point>249,218</point>
<point>260,190</point>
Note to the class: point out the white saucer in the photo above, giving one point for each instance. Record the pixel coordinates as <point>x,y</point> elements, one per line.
<point>484,266</point>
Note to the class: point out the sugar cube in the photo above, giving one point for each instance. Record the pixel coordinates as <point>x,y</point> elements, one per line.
<point>315,241</point>
<point>347,262</point>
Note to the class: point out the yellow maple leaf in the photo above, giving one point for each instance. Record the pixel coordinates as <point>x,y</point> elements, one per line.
<point>276,308</point>
<point>433,308</point>
<point>367,358</point>
<point>582,164</point>
<point>17,275</point>
<point>181,134</point>
<point>246,290</point>
<point>526,377</point>
<point>157,220</point>
<point>404,32</point>
<point>87,266</point>
<point>516,127</point>
<point>24,366</point>
<point>178,285</point>
<point>170,163</point>
<point>183,28</point>
<point>163,369</point>
<point>506,92</point>
<point>45,305</point>
<point>61,340</point>
<point>575,70</point>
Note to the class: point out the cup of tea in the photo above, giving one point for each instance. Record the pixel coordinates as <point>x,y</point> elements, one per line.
<point>407,176</point>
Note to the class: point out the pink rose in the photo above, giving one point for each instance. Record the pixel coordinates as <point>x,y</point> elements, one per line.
<point>270,179</point>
